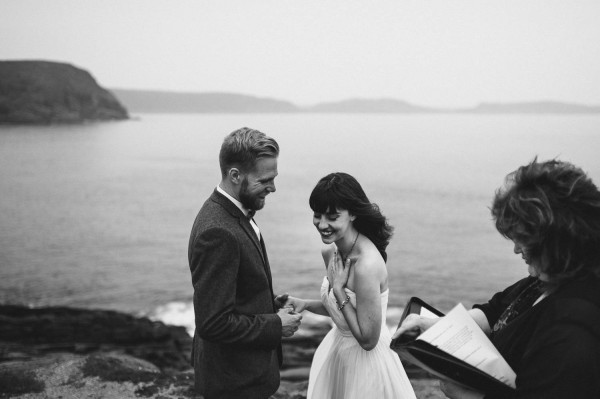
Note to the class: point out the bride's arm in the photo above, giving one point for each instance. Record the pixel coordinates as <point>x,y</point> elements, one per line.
<point>365,321</point>
<point>299,304</point>
<point>312,305</point>
<point>316,306</point>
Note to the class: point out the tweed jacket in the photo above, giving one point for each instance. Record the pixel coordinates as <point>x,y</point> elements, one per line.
<point>237,342</point>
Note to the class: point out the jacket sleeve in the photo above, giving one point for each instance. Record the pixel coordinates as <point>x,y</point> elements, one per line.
<point>214,263</point>
<point>564,359</point>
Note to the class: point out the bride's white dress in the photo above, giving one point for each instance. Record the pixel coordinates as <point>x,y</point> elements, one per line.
<point>341,369</point>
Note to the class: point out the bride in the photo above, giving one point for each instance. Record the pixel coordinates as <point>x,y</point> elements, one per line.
<point>354,359</point>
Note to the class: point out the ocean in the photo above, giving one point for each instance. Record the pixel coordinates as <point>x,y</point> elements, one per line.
<point>99,215</point>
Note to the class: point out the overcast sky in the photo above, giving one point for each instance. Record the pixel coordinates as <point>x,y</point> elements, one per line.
<point>427,52</point>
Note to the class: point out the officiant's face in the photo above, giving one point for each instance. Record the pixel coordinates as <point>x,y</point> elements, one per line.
<point>332,225</point>
<point>258,183</point>
<point>533,265</point>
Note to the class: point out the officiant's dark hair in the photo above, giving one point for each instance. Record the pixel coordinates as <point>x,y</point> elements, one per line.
<point>342,191</point>
<point>241,148</point>
<point>552,208</point>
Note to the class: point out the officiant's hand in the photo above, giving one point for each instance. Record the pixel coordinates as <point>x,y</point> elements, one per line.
<point>296,304</point>
<point>455,391</point>
<point>414,325</point>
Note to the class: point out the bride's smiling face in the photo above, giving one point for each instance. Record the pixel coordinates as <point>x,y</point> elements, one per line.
<point>332,226</point>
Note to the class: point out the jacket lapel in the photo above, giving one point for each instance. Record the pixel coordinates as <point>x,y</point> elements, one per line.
<point>244,224</point>
<point>266,260</point>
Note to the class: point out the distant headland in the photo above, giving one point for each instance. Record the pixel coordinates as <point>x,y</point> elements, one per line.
<point>43,92</point>
<point>143,101</point>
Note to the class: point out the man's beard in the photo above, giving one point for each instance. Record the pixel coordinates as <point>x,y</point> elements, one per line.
<point>248,200</point>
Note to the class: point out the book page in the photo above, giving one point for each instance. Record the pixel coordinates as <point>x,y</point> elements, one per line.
<point>427,313</point>
<point>459,335</point>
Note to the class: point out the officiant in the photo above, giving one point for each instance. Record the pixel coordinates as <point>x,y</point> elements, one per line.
<point>547,325</point>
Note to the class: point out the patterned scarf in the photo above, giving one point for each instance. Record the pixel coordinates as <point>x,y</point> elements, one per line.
<point>524,301</point>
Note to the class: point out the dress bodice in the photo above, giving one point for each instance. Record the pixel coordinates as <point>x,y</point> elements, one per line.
<point>342,368</point>
<point>329,301</point>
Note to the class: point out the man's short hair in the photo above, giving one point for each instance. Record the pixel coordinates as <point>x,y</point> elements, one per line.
<point>243,147</point>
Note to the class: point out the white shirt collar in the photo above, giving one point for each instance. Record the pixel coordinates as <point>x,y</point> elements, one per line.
<point>241,208</point>
<point>235,202</point>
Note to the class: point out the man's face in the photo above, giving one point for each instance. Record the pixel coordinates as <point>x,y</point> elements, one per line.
<point>259,183</point>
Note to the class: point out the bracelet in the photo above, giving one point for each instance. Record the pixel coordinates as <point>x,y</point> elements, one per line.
<point>340,307</point>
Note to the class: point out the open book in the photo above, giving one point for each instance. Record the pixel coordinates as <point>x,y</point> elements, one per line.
<point>455,349</point>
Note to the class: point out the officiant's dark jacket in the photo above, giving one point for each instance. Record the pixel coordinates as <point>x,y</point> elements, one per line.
<point>237,343</point>
<point>553,347</point>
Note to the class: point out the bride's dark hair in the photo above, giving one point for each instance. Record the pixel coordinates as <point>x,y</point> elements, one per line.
<point>341,191</point>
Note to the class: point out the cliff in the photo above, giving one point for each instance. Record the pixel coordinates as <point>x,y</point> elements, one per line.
<point>537,107</point>
<point>144,101</point>
<point>173,102</point>
<point>41,92</point>
<point>382,106</point>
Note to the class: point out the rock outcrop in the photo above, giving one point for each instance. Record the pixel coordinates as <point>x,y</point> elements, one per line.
<point>42,92</point>
<point>78,353</point>
<point>31,332</point>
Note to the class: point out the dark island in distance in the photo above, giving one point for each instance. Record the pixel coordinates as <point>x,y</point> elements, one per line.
<point>146,101</point>
<point>45,92</point>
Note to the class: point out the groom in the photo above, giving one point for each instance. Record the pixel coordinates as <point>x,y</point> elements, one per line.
<point>239,325</point>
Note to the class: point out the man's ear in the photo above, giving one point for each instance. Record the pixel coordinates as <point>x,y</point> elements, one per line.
<point>235,176</point>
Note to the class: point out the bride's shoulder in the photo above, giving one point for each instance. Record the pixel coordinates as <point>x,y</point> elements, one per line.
<point>370,262</point>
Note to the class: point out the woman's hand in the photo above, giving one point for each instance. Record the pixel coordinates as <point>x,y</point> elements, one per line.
<point>338,272</point>
<point>286,301</point>
<point>414,325</point>
<point>455,391</point>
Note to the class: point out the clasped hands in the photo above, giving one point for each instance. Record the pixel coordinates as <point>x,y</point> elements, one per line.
<point>290,317</point>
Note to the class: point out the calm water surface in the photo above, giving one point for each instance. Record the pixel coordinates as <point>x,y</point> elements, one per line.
<point>99,215</point>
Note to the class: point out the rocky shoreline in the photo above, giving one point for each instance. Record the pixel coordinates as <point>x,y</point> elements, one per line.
<point>66,352</point>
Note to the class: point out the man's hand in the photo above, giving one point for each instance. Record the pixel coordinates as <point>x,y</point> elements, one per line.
<point>290,321</point>
<point>285,301</point>
<point>280,300</point>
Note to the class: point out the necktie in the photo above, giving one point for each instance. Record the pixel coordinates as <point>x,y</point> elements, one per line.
<point>250,217</point>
